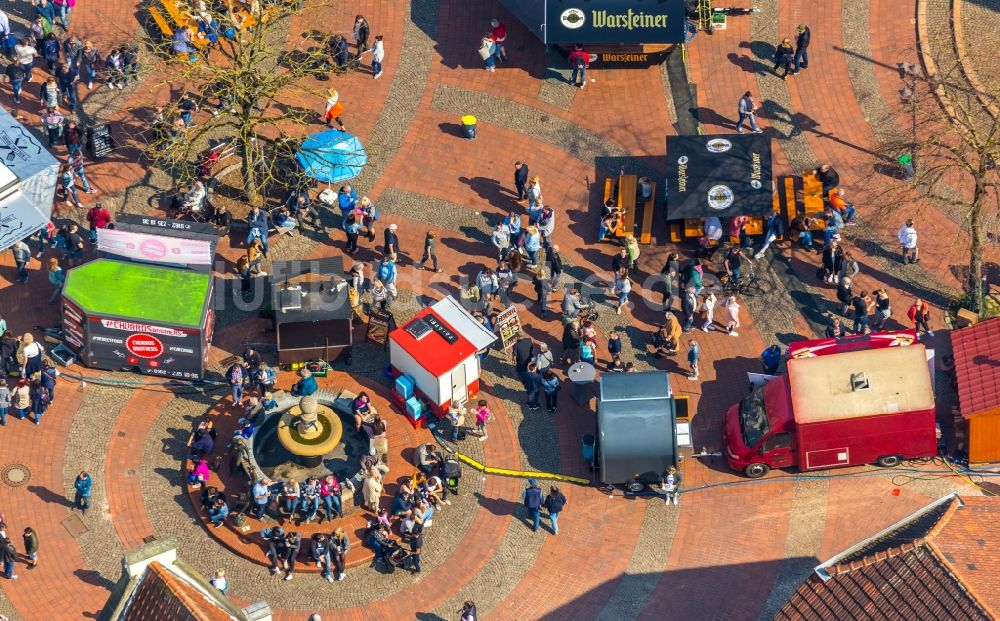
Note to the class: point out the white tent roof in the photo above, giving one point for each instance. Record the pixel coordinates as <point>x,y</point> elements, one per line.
<point>457,317</point>
<point>28,177</point>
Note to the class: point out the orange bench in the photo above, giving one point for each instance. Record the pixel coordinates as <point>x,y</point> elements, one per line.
<point>626,202</point>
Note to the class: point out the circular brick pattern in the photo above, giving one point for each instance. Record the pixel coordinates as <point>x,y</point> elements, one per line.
<point>15,475</point>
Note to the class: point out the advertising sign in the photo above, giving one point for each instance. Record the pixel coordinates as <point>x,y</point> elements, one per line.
<point>380,324</point>
<point>157,350</point>
<point>614,21</point>
<point>154,248</point>
<point>508,324</point>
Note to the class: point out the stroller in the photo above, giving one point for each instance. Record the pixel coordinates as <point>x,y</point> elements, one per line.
<point>451,473</point>
<point>388,553</point>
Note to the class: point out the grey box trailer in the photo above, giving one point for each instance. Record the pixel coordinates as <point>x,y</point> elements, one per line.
<point>636,429</point>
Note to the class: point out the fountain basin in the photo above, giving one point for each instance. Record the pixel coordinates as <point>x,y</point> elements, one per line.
<point>308,441</point>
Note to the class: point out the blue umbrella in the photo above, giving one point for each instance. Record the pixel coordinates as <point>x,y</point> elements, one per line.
<point>332,156</point>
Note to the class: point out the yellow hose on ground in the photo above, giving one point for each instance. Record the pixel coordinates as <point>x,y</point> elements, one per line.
<point>504,472</point>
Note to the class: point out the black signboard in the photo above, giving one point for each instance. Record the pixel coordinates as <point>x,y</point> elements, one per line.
<point>100,142</point>
<point>441,329</point>
<point>614,21</point>
<point>154,349</point>
<point>723,176</point>
<point>380,324</point>
<point>165,226</point>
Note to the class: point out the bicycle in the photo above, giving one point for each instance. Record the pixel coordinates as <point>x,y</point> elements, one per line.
<point>748,284</point>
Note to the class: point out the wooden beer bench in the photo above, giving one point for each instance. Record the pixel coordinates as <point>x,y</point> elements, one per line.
<point>624,193</point>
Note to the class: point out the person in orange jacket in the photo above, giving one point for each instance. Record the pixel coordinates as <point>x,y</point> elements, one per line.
<point>838,202</point>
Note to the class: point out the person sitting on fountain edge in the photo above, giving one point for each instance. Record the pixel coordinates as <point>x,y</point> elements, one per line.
<point>305,386</point>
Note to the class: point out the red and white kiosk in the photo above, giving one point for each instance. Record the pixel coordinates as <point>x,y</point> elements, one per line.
<point>437,350</point>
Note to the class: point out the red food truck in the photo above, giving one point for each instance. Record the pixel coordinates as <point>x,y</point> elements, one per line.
<point>844,402</point>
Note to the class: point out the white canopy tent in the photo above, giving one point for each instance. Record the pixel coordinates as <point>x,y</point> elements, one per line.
<point>28,177</point>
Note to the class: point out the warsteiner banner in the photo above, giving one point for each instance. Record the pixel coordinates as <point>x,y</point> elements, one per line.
<point>614,21</point>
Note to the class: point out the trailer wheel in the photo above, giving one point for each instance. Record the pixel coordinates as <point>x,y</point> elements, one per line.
<point>889,461</point>
<point>634,486</point>
<point>756,471</point>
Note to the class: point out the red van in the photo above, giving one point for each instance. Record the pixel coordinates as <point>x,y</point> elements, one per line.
<point>842,403</point>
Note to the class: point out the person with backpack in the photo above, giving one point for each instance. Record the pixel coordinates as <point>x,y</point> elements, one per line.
<point>554,504</point>
<point>533,502</point>
<point>579,61</point>
<point>40,399</point>
<point>550,386</point>
<point>31,546</point>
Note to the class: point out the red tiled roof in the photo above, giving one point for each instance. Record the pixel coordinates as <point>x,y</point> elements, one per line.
<point>163,596</point>
<point>977,366</point>
<point>946,572</point>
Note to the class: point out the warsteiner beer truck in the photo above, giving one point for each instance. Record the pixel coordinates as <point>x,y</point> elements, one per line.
<point>845,402</point>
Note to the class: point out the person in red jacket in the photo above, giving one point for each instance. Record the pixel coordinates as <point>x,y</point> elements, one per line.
<point>499,30</point>
<point>919,313</point>
<point>579,60</point>
<point>99,218</point>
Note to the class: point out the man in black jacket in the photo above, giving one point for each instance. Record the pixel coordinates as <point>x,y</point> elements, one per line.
<point>391,246</point>
<point>828,177</point>
<point>520,179</point>
<point>802,48</point>
<point>555,265</point>
<point>524,350</point>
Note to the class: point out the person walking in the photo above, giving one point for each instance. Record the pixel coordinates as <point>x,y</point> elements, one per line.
<point>430,252</point>
<point>15,75</point>
<point>622,287</point>
<point>555,262</point>
<point>84,487</point>
<point>689,303</point>
<point>670,480</point>
<point>352,228</point>
<point>235,376</point>
<point>802,48</point>
<point>483,417</point>
<point>8,554</point>
<point>579,61</point>
<point>5,402</point>
<point>551,388</point>
<point>861,304</point>
<point>219,581</point>
<point>378,54</point>
<point>532,385</point>
<point>22,256</point>
<point>333,109</point>
<point>554,504</point>
<point>708,306</point>
<point>416,540</point>
<point>907,236</point>
<point>919,313</point>
<point>391,242</point>
<point>487,51</point>
<point>747,110</point>
<point>21,398</point>
<point>40,400</point>
<point>98,216</point>
<point>520,179</point>
<point>694,353</point>
<point>882,309</point>
<point>533,502</point>
<point>499,32</point>
<point>30,539</point>
<point>361,33</point>
<point>784,57</point>
<point>732,315</point>
<point>468,612</point>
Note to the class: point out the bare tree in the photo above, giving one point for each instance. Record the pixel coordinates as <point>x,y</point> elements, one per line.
<point>245,78</point>
<point>954,142</point>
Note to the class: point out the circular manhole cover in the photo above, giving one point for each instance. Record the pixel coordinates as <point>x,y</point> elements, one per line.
<point>15,475</point>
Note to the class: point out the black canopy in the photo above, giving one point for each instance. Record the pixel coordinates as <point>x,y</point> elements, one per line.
<point>723,175</point>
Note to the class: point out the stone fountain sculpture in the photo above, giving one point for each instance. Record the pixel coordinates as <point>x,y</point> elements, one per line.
<point>310,431</point>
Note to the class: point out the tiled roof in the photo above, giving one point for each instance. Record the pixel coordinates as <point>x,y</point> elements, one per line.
<point>905,583</point>
<point>163,596</point>
<point>934,565</point>
<point>977,366</point>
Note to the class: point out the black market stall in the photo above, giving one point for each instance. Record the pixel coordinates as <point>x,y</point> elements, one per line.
<point>723,176</point>
<point>636,429</point>
<point>616,33</point>
<point>312,311</point>
<point>131,316</point>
